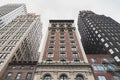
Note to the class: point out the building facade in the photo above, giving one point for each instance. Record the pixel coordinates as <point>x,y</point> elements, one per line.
<point>104,67</point>
<point>100,39</point>
<point>62,58</point>
<point>20,70</point>
<point>11,11</point>
<point>100,34</point>
<point>20,40</point>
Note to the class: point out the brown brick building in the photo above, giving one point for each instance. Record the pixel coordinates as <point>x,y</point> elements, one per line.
<point>20,71</point>
<point>104,67</point>
<point>63,58</point>
<point>62,44</point>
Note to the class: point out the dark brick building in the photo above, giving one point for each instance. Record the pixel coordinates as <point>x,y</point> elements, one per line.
<point>100,36</point>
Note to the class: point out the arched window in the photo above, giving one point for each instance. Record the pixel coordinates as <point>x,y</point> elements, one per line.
<point>63,77</point>
<point>79,77</point>
<point>47,77</point>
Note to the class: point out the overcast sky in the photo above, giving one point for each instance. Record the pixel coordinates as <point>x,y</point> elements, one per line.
<point>68,9</point>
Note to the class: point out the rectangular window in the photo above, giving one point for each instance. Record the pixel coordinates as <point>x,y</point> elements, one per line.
<point>62,48</point>
<point>62,34</point>
<point>70,30</point>
<point>72,42</point>
<point>76,61</point>
<point>93,60</point>
<point>62,38</point>
<point>111,51</point>
<point>2,42</point>
<point>74,48</point>
<point>8,48</point>
<point>13,42</point>
<point>51,42</point>
<point>72,39</point>
<point>62,42</point>
<point>106,45</point>
<point>52,38</point>
<point>50,54</point>
<point>52,34</point>
<point>118,43</point>
<point>62,55</point>
<point>71,34</point>
<point>99,67</point>
<point>111,43</point>
<point>62,30</point>
<point>18,76</point>
<point>110,67</point>
<point>116,49</point>
<point>48,61</point>
<point>51,48</point>
<point>101,78</point>
<point>3,55</point>
<point>63,61</point>
<point>29,75</point>
<point>8,76</point>
<point>53,30</point>
<point>117,58</point>
<point>116,77</point>
<point>102,40</point>
<point>1,63</point>
<point>75,55</point>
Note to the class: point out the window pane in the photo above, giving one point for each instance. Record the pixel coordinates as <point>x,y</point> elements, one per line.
<point>50,54</point>
<point>49,61</point>
<point>63,61</point>
<point>63,77</point>
<point>47,77</point>
<point>116,77</point>
<point>63,55</point>
<point>18,76</point>
<point>8,75</point>
<point>99,67</point>
<point>93,60</point>
<point>75,55</point>
<point>101,78</point>
<point>79,78</point>
<point>29,75</point>
<point>77,61</point>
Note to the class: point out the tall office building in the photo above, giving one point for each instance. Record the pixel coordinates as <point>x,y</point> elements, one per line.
<point>63,57</point>
<point>100,37</point>
<point>20,41</point>
<point>11,11</point>
<point>100,34</point>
